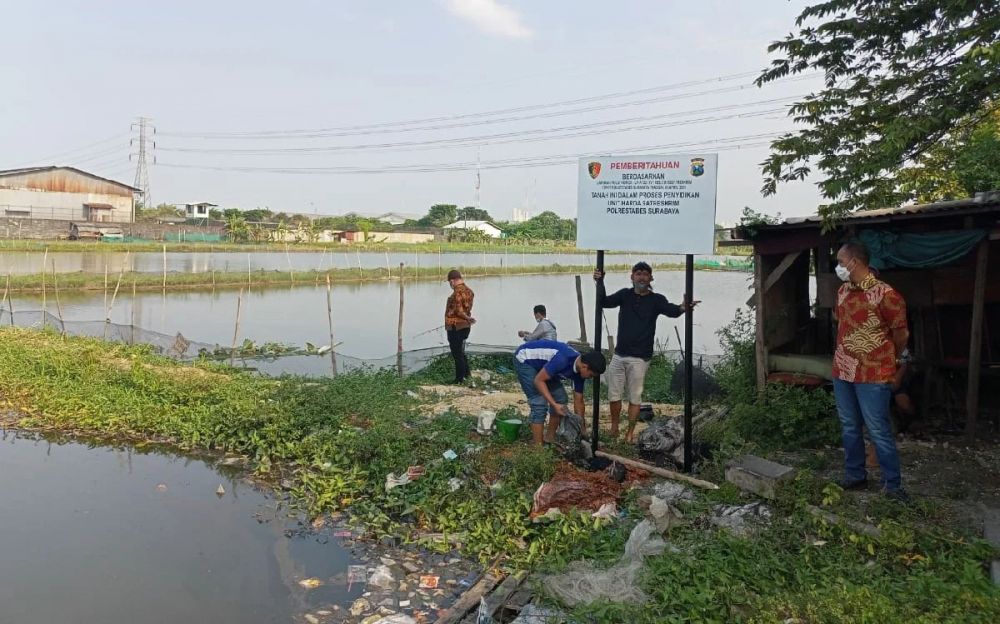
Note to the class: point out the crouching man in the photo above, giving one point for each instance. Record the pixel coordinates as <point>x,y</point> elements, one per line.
<point>541,367</point>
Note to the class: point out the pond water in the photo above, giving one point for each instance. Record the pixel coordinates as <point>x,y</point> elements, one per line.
<point>93,534</point>
<point>23,262</point>
<point>366,315</point>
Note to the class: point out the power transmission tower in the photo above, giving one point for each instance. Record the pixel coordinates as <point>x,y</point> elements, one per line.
<point>142,154</point>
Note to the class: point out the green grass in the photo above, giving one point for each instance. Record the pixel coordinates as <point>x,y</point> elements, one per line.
<point>335,440</point>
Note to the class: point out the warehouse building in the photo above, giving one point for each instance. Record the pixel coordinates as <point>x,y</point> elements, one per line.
<point>64,193</point>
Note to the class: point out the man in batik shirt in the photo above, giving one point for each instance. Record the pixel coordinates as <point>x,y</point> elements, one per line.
<point>871,344</point>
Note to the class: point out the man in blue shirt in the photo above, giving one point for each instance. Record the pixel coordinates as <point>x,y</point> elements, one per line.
<point>541,367</point>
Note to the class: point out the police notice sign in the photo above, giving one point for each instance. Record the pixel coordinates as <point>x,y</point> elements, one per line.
<point>647,203</point>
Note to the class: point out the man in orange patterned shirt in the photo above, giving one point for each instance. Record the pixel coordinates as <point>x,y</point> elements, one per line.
<point>458,322</point>
<point>871,344</point>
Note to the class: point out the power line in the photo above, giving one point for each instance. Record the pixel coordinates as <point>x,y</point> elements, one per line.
<point>80,149</point>
<point>516,136</point>
<point>739,142</point>
<point>398,125</point>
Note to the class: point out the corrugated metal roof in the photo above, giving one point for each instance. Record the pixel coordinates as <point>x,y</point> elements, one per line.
<point>29,170</point>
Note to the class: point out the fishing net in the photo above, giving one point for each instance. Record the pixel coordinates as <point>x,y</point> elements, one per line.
<point>278,361</point>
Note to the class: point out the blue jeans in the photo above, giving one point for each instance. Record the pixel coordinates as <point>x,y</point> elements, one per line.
<point>867,404</point>
<point>536,402</point>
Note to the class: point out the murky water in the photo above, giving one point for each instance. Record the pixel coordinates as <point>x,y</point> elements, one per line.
<point>365,315</point>
<point>21,262</point>
<point>130,537</point>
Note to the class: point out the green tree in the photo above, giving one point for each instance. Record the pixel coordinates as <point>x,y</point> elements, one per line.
<point>440,215</point>
<point>236,227</point>
<point>162,211</point>
<point>471,213</point>
<point>899,78</point>
<point>960,166</point>
<point>215,214</point>
<point>258,215</point>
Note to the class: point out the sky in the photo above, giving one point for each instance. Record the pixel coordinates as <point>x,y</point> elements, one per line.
<point>326,107</point>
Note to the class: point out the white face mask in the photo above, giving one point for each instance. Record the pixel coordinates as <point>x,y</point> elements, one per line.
<point>843,273</point>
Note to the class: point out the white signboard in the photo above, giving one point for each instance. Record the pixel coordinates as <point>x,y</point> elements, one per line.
<point>647,203</point>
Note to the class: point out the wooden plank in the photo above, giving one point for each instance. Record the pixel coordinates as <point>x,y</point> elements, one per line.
<point>503,591</point>
<point>660,472</point>
<point>470,599</point>
<point>760,349</point>
<point>976,339</point>
<point>779,270</point>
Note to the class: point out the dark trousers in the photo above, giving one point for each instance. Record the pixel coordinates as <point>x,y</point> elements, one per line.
<point>456,341</point>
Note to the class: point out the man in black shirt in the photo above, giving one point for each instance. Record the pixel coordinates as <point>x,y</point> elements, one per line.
<point>638,308</point>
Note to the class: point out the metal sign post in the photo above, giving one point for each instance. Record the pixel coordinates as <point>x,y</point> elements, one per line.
<point>595,427</point>
<point>688,359</point>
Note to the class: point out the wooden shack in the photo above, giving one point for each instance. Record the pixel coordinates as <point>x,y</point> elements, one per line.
<point>944,258</point>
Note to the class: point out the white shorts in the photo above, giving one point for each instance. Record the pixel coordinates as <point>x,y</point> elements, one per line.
<point>626,377</point>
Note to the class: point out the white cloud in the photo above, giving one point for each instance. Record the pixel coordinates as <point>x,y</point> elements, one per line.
<point>490,16</point>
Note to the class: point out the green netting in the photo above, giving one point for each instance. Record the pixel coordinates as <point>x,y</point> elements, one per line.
<point>192,237</point>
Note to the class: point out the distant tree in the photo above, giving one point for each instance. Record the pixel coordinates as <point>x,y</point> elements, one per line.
<point>899,79</point>
<point>471,213</point>
<point>545,226</point>
<point>236,228</point>
<point>232,212</point>
<point>162,211</point>
<point>215,214</point>
<point>440,215</point>
<point>258,215</point>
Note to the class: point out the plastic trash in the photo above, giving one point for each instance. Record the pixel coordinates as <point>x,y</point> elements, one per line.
<point>357,574</point>
<point>392,481</point>
<point>582,583</point>
<point>485,422</point>
<point>616,472</point>
<point>397,618</point>
<point>570,429</point>
<point>483,616</point>
<point>664,515</point>
<point>220,491</point>
<point>454,484</point>
<point>534,614</point>
<point>450,454</point>
<point>429,581</point>
<point>381,577</point>
<point>608,511</point>
<point>310,583</point>
<point>661,436</point>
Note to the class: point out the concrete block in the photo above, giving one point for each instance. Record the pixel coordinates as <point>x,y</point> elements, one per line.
<point>758,475</point>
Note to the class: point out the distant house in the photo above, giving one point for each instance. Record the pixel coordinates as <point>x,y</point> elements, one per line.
<point>64,193</point>
<point>483,226</point>
<point>396,218</point>
<point>197,210</point>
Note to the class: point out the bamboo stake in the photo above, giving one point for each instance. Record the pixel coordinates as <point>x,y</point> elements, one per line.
<point>291,273</point>
<point>117,286</point>
<point>399,327</point>
<point>387,269</point>
<point>10,301</point>
<point>2,302</point>
<point>360,270</point>
<point>329,320</point>
<point>133,310</point>
<point>45,306</point>
<point>236,330</point>
<point>106,284</point>
<point>248,274</point>
<point>164,268</point>
<point>55,284</point>
<point>660,472</point>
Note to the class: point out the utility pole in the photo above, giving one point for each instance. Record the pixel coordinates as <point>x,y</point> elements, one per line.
<point>143,154</point>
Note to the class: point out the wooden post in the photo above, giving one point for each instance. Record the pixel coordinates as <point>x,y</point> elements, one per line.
<point>329,320</point>
<point>249,281</point>
<point>236,330</point>
<point>399,327</point>
<point>360,270</point>
<point>164,268</point>
<point>5,293</point>
<point>976,340</point>
<point>106,283</point>
<point>760,349</point>
<point>132,325</point>
<point>388,270</point>
<point>579,309</point>
<point>45,306</point>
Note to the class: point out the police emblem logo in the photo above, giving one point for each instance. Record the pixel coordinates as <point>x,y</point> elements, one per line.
<point>697,166</point>
<point>594,169</point>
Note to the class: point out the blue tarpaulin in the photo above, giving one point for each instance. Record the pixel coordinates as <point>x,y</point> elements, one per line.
<point>888,250</point>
